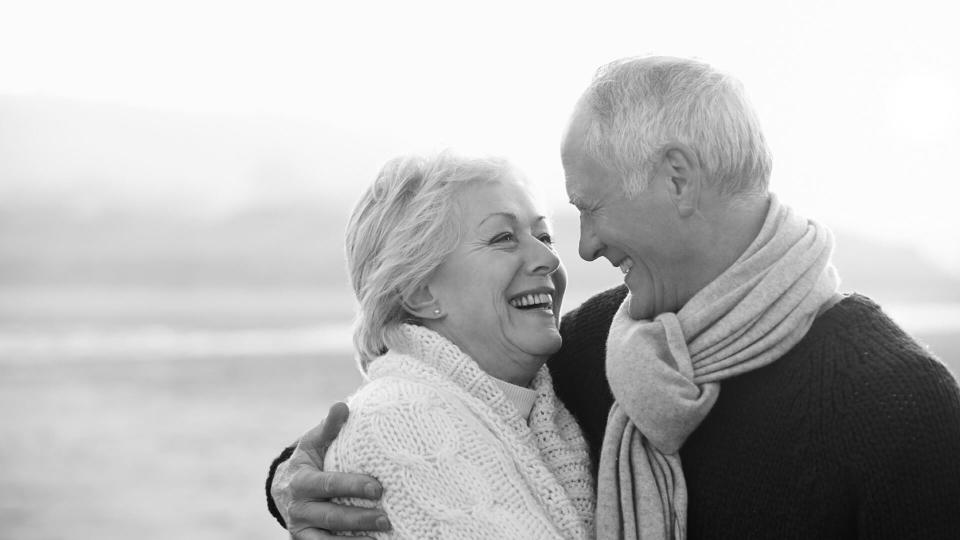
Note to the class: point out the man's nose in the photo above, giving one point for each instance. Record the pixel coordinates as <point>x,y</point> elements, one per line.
<point>590,246</point>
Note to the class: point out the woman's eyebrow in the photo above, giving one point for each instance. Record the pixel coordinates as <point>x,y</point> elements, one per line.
<point>511,216</point>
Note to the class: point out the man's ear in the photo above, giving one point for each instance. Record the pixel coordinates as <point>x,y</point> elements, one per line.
<point>423,304</point>
<point>682,169</point>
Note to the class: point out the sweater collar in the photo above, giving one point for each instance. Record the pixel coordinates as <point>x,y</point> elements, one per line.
<point>521,397</point>
<point>454,365</point>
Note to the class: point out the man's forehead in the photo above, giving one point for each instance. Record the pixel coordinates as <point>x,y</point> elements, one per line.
<point>578,186</point>
<point>575,162</point>
<point>574,133</point>
<point>576,129</point>
<point>579,168</point>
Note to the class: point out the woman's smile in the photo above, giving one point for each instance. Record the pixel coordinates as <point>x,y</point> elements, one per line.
<point>533,301</point>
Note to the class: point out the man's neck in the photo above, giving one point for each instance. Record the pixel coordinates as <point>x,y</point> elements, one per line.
<point>733,226</point>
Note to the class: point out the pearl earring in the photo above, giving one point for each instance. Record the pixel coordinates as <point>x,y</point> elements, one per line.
<point>436,311</point>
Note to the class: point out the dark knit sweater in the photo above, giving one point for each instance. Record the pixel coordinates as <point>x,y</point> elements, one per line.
<point>854,433</point>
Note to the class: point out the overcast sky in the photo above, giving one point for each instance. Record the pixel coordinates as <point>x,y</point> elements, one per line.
<point>860,100</point>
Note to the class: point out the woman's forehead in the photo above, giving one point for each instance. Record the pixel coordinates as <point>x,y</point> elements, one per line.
<point>485,201</point>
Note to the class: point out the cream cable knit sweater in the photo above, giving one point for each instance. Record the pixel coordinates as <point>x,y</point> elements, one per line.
<point>456,459</point>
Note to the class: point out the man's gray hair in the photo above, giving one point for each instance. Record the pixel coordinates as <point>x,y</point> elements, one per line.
<point>402,228</point>
<point>639,105</point>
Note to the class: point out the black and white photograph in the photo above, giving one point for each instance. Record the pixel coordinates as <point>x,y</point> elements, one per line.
<point>611,270</point>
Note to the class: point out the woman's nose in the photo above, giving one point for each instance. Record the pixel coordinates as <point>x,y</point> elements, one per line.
<point>542,259</point>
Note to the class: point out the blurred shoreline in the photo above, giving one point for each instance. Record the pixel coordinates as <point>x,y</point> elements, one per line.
<point>76,324</point>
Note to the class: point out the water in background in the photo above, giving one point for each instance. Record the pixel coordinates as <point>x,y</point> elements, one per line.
<point>131,324</point>
<point>153,413</point>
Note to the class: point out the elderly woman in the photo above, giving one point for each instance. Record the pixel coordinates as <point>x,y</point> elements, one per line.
<point>459,290</point>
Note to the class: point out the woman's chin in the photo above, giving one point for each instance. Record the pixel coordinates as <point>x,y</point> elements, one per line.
<point>547,345</point>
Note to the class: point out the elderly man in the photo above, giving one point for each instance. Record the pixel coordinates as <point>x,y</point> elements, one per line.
<point>728,391</point>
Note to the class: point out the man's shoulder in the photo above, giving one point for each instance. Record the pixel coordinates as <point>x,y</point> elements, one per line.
<point>886,393</point>
<point>875,359</point>
<point>595,314</point>
<point>854,361</point>
<point>578,371</point>
<point>858,326</point>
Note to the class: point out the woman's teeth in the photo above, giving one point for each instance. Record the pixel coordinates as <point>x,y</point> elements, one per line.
<point>626,265</point>
<point>532,300</point>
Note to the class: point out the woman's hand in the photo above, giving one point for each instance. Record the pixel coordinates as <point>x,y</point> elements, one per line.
<point>302,490</point>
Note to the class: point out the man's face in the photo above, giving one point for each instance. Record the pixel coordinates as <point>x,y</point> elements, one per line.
<point>639,234</point>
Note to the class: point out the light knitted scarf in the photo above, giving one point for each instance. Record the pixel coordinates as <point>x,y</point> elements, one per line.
<point>549,452</point>
<point>665,373</point>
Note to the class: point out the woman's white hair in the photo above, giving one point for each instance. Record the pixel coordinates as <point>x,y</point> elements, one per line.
<point>639,105</point>
<point>400,231</point>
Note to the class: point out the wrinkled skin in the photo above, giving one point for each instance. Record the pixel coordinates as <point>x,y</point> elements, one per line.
<point>302,490</point>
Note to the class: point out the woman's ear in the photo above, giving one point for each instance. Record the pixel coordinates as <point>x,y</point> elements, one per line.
<point>422,304</point>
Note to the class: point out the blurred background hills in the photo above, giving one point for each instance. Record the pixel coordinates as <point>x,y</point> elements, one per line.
<point>104,195</point>
<point>299,245</point>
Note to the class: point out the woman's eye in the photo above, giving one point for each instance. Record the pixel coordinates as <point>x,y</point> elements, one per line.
<point>503,237</point>
<point>546,239</point>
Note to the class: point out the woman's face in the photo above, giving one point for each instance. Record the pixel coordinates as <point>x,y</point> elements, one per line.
<point>499,292</point>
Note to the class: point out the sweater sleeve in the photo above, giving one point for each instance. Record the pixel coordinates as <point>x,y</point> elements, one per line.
<point>906,431</point>
<point>444,475</point>
<point>271,504</point>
